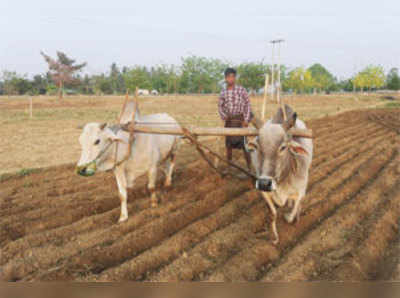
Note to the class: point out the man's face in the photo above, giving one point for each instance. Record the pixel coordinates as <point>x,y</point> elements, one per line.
<point>230,79</point>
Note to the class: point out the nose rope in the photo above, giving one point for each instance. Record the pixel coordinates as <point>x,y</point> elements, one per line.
<point>79,168</point>
<point>104,150</point>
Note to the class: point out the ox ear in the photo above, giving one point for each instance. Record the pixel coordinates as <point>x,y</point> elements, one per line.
<point>103,125</point>
<point>112,136</point>
<point>297,149</point>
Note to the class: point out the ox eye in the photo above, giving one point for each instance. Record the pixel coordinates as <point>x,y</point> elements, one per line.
<point>97,142</point>
<point>282,148</point>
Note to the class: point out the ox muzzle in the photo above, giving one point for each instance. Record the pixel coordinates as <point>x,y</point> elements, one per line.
<point>87,170</point>
<point>264,184</point>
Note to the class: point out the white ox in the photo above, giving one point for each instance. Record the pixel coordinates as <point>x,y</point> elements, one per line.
<point>105,148</point>
<point>282,163</point>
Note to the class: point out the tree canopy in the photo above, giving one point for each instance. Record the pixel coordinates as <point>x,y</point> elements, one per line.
<point>393,79</point>
<point>252,75</point>
<point>62,69</point>
<point>194,74</point>
<point>372,77</point>
<point>321,77</point>
<point>299,80</point>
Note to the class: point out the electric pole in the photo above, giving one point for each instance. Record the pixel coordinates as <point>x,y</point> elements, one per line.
<point>277,41</point>
<point>272,73</point>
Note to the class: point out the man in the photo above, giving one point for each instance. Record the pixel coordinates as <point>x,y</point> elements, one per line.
<point>234,108</point>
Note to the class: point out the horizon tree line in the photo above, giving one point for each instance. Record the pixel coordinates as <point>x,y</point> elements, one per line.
<point>193,75</point>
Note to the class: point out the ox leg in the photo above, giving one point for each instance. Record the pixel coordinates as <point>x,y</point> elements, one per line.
<point>170,171</point>
<point>152,174</point>
<point>130,179</point>
<point>295,213</point>
<point>271,206</point>
<point>123,195</point>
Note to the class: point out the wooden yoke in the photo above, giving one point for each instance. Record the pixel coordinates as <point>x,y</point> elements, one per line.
<point>130,131</point>
<point>119,121</point>
<point>124,106</point>
<point>283,110</point>
<point>265,98</point>
<point>206,131</point>
<point>132,128</point>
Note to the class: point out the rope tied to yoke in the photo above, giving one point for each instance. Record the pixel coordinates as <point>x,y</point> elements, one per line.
<point>202,149</point>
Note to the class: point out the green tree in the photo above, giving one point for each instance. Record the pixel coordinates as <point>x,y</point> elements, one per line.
<point>14,84</point>
<point>372,77</point>
<point>137,76</point>
<point>102,84</point>
<point>322,78</point>
<point>87,84</point>
<point>22,85</point>
<point>8,82</point>
<point>393,79</point>
<point>346,85</point>
<point>360,81</point>
<point>117,81</point>
<point>201,74</point>
<point>252,75</point>
<point>164,78</point>
<point>299,80</point>
<point>39,84</point>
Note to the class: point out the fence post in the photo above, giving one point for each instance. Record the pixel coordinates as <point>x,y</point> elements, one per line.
<point>30,107</point>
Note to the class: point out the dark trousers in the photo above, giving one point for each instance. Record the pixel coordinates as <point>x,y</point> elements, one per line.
<point>234,142</point>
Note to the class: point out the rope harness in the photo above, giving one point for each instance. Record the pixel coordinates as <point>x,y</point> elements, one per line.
<point>92,164</point>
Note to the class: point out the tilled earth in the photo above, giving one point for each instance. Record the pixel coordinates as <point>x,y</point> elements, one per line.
<point>55,225</point>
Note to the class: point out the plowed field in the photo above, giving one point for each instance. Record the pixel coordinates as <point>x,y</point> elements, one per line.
<point>55,225</point>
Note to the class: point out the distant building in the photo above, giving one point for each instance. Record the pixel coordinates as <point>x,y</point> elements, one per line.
<point>143,92</point>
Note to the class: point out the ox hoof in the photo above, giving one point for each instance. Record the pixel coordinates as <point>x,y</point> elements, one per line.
<point>122,219</point>
<point>154,202</point>
<point>289,218</point>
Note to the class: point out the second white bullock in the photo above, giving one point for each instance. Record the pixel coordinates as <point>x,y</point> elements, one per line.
<point>282,163</point>
<point>105,147</point>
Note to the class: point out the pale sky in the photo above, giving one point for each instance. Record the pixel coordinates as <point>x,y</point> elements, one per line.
<point>343,35</point>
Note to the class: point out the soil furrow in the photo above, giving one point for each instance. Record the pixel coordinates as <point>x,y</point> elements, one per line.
<point>254,261</point>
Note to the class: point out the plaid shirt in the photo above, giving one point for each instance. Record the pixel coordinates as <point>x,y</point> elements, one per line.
<point>234,102</point>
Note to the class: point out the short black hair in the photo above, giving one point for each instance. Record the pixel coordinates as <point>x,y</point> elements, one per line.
<point>229,71</point>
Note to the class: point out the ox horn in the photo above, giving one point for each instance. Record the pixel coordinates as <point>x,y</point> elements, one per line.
<point>289,123</point>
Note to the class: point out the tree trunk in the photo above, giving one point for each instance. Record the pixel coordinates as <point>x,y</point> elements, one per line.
<point>60,90</point>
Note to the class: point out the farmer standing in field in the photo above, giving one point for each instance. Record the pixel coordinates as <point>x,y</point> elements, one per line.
<point>235,110</point>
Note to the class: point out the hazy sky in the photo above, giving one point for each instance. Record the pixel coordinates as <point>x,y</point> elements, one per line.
<point>343,35</point>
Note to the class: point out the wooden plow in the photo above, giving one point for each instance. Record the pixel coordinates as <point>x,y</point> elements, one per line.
<point>192,133</point>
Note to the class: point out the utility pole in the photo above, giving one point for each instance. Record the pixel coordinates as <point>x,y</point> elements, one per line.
<point>272,73</point>
<point>277,41</point>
